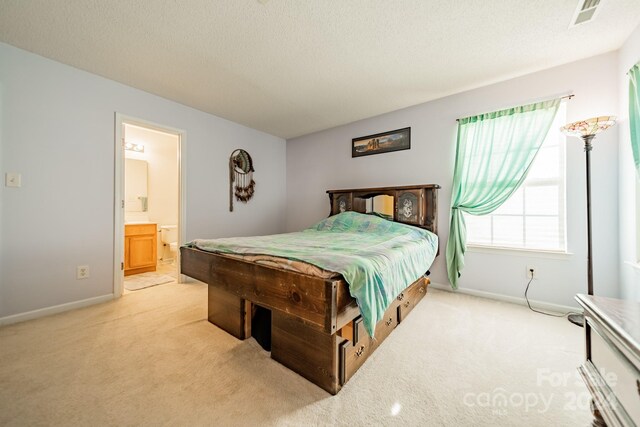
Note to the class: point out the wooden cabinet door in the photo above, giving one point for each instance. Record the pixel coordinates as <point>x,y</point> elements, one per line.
<point>410,206</point>
<point>142,251</point>
<point>126,253</point>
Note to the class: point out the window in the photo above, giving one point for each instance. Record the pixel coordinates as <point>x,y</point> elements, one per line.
<point>534,216</point>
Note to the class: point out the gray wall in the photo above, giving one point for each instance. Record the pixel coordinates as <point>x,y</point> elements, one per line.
<point>629,193</point>
<point>57,129</point>
<point>322,161</point>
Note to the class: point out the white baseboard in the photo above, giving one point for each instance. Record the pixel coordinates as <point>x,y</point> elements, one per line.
<point>540,305</point>
<point>47,311</point>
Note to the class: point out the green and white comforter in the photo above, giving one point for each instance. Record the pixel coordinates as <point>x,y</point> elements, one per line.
<point>377,258</point>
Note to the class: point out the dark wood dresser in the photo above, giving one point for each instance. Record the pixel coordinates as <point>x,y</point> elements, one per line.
<point>612,367</point>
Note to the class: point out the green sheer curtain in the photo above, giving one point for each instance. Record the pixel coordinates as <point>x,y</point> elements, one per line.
<point>634,113</point>
<point>493,154</point>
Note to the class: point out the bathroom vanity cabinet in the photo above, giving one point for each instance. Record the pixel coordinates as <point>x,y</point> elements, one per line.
<point>140,248</point>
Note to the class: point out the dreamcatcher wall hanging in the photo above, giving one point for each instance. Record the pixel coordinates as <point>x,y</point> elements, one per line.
<point>241,183</point>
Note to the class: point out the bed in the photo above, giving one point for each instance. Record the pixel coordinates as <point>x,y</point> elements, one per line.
<point>307,317</point>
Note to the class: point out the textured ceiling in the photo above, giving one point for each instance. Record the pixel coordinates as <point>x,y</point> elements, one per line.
<point>292,67</point>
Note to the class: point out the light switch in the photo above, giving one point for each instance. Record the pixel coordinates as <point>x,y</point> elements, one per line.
<point>13,179</point>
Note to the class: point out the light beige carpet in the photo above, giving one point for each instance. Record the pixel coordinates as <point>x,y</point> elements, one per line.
<point>151,358</point>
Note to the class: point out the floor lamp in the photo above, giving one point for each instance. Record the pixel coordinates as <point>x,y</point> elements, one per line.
<point>587,130</point>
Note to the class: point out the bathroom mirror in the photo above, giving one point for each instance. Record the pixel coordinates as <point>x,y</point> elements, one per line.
<point>381,205</point>
<point>135,185</point>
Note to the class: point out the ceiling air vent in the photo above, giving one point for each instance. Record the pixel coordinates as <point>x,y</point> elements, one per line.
<point>585,12</point>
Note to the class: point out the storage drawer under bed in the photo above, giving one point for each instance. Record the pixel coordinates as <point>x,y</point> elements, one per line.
<point>408,299</point>
<point>355,351</point>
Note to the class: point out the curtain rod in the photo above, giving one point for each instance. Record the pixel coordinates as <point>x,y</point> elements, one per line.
<point>571,95</point>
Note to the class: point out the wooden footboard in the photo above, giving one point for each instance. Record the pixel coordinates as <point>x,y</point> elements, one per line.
<point>323,304</point>
<point>316,328</point>
<point>329,361</point>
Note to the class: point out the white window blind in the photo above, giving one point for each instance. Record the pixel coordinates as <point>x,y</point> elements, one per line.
<point>534,216</point>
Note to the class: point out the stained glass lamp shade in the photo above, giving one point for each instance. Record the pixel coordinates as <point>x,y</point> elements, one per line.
<point>589,127</point>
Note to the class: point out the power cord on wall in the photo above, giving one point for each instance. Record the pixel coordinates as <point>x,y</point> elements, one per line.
<point>526,291</point>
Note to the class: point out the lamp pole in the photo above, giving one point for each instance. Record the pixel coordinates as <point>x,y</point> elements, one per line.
<point>587,130</point>
<point>578,319</point>
<point>587,149</point>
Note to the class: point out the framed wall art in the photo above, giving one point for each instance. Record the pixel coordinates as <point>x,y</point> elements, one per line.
<point>385,142</point>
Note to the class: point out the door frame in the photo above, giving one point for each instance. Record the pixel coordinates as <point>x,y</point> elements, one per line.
<point>118,201</point>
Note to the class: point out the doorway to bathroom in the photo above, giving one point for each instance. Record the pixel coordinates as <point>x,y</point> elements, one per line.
<point>149,205</point>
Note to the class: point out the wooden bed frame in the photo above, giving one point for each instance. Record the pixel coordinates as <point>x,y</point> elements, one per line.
<point>316,329</point>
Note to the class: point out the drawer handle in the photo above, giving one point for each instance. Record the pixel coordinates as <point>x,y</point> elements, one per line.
<point>360,351</point>
<point>401,296</point>
<point>406,304</point>
<point>389,322</point>
<point>421,290</point>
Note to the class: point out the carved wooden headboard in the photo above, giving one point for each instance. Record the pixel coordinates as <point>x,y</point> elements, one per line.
<point>412,204</point>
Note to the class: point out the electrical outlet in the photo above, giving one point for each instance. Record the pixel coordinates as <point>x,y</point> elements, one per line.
<point>13,179</point>
<point>532,272</point>
<point>82,272</point>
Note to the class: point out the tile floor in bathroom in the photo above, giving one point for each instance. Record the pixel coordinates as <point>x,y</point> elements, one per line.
<point>168,268</point>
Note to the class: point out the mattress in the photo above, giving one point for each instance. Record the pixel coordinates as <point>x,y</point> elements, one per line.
<point>376,257</point>
<point>287,264</point>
